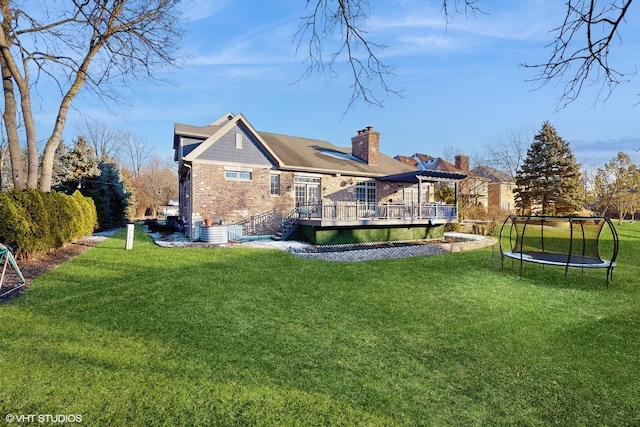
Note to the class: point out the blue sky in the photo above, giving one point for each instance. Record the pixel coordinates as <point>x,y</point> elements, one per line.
<point>462,84</point>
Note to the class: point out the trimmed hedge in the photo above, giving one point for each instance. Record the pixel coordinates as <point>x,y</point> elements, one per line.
<point>34,221</point>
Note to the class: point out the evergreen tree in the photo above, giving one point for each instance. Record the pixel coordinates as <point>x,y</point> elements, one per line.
<point>110,195</point>
<point>71,167</point>
<point>548,182</point>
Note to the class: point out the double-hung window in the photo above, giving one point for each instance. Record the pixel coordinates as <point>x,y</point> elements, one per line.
<point>274,184</point>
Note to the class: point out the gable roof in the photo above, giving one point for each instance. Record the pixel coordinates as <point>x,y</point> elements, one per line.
<point>422,157</point>
<point>439,164</point>
<point>218,129</point>
<point>407,160</point>
<point>291,152</point>
<point>493,175</point>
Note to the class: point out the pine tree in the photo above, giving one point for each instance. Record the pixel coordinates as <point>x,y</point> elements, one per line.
<point>71,167</point>
<point>110,195</point>
<point>548,182</point>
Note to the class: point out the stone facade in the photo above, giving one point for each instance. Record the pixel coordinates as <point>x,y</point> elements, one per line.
<point>231,201</point>
<point>343,189</point>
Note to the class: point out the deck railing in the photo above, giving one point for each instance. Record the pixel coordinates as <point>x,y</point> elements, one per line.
<point>346,211</point>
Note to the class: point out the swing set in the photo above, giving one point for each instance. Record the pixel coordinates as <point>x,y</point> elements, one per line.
<point>7,259</point>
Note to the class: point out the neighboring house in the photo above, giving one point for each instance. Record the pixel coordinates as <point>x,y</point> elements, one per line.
<point>501,186</point>
<point>232,174</point>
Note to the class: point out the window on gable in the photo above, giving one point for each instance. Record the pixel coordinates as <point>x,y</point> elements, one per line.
<point>275,184</point>
<point>237,176</point>
<point>239,141</point>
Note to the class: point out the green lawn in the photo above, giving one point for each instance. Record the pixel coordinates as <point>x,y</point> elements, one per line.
<point>195,336</point>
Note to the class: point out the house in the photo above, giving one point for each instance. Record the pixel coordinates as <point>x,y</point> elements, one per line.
<point>500,188</point>
<point>269,183</point>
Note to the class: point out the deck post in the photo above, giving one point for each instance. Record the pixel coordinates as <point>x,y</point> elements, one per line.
<point>419,177</point>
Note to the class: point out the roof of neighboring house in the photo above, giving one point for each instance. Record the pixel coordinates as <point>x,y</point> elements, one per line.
<point>493,175</point>
<point>423,157</point>
<point>297,153</point>
<point>439,164</point>
<point>407,160</point>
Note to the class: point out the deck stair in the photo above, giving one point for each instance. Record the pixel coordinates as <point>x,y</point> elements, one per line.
<point>288,226</point>
<point>263,223</point>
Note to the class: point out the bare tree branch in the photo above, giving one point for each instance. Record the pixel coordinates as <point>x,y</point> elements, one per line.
<point>583,43</point>
<point>346,20</point>
<point>342,22</point>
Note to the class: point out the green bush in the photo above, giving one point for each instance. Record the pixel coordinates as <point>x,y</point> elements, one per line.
<point>33,221</point>
<point>15,229</point>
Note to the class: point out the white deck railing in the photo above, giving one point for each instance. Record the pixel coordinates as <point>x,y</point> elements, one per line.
<point>348,211</point>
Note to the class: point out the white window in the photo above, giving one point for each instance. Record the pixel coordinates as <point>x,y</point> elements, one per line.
<point>274,184</point>
<point>366,191</point>
<point>307,190</point>
<point>237,176</point>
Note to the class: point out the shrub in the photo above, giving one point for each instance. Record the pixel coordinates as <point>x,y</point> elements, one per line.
<point>33,221</point>
<point>15,229</point>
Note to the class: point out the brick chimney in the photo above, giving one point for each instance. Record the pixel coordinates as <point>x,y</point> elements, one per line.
<point>366,146</point>
<point>462,162</point>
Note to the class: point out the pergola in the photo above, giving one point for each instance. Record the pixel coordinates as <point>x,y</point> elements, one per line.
<point>420,176</point>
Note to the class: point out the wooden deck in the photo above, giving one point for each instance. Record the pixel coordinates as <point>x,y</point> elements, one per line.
<point>359,214</point>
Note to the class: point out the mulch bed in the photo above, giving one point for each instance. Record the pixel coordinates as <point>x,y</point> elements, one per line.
<point>38,264</point>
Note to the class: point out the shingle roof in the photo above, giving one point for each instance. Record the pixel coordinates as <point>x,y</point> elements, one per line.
<point>492,174</point>
<point>439,164</point>
<point>423,157</point>
<point>195,131</point>
<point>407,160</point>
<point>305,154</point>
<point>317,155</point>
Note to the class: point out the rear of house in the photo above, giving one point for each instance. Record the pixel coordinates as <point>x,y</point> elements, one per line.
<point>273,184</point>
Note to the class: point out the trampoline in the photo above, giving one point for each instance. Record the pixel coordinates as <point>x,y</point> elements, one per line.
<point>569,242</point>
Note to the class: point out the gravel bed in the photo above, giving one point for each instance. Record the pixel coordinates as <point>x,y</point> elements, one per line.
<point>455,242</point>
<point>399,251</point>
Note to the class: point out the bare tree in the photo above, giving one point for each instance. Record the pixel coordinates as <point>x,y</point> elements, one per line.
<point>76,44</point>
<point>134,152</point>
<point>106,142</point>
<point>582,46</point>
<point>507,152</point>
<point>4,151</point>
<point>450,152</point>
<point>155,184</point>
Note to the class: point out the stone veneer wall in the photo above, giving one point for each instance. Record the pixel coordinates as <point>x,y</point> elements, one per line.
<point>233,201</point>
<point>343,189</point>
